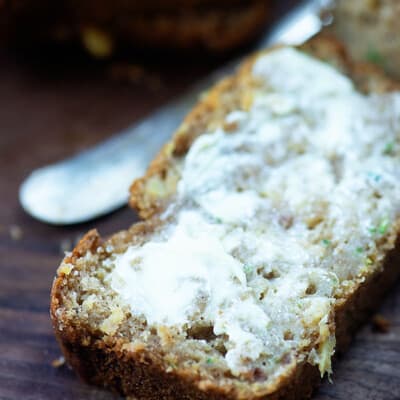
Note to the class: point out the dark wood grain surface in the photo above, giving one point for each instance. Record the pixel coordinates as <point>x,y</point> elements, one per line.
<point>50,108</point>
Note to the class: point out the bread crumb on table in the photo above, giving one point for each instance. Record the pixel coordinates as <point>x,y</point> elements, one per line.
<point>58,362</point>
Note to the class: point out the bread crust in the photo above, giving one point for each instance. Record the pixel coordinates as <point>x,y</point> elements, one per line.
<point>106,361</point>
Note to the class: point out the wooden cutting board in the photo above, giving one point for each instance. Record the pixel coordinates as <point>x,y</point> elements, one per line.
<point>49,109</point>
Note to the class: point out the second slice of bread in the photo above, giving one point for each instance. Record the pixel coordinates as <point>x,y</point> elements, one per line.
<point>271,227</point>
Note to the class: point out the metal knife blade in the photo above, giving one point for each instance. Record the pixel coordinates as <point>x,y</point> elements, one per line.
<point>50,193</point>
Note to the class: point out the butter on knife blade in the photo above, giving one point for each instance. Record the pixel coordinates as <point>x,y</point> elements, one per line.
<point>104,173</point>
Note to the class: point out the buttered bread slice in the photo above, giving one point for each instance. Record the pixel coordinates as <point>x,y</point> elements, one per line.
<point>271,227</point>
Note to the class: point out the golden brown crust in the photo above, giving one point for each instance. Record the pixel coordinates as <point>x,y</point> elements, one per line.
<point>106,361</point>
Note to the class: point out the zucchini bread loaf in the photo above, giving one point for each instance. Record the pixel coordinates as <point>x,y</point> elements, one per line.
<point>270,229</point>
<point>104,26</point>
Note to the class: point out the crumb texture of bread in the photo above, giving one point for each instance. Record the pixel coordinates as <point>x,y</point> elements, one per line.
<point>269,224</point>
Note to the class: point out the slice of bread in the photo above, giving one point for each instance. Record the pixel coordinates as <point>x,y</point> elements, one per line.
<point>150,194</point>
<point>271,229</point>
